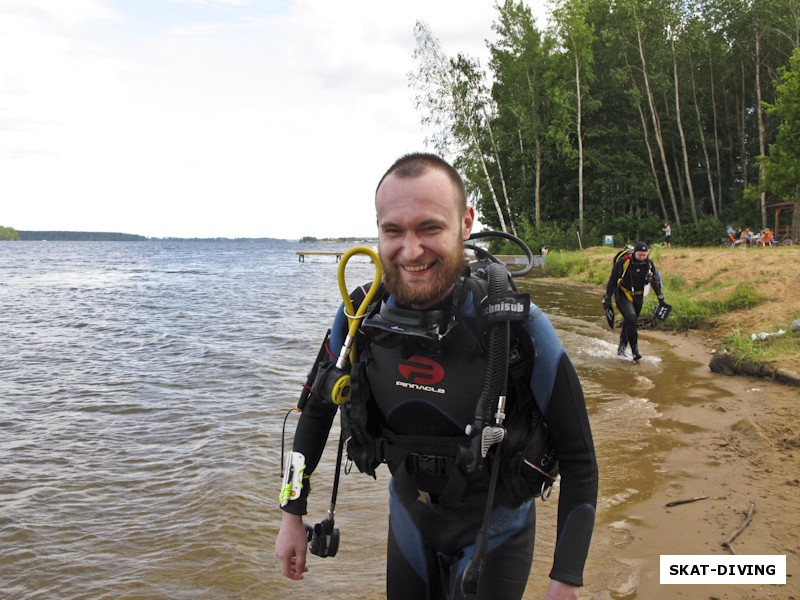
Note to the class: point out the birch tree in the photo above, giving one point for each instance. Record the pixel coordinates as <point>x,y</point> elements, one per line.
<point>519,61</point>
<point>577,36</point>
<point>455,102</point>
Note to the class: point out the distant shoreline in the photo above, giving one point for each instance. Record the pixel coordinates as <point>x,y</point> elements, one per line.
<point>79,236</point>
<point>106,236</point>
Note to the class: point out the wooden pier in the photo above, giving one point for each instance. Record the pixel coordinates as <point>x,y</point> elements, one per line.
<point>301,256</point>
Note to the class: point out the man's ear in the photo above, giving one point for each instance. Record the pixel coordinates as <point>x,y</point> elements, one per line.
<point>469,221</point>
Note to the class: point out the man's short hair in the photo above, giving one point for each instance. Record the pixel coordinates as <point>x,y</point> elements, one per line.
<point>415,164</point>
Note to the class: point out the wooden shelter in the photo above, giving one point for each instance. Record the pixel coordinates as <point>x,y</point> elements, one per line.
<point>782,230</point>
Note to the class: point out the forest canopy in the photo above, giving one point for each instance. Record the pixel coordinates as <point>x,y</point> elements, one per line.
<point>620,117</point>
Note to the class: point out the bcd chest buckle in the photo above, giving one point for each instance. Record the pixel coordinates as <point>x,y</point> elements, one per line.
<point>426,463</point>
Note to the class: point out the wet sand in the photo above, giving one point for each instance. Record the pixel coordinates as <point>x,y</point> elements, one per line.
<point>737,448</point>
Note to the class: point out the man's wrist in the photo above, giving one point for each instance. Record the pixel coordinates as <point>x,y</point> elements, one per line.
<point>288,517</point>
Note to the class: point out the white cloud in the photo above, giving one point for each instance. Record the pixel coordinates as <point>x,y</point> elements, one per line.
<point>210,118</point>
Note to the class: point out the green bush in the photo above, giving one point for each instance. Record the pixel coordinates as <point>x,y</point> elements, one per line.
<point>708,231</point>
<point>555,235</point>
<point>8,233</point>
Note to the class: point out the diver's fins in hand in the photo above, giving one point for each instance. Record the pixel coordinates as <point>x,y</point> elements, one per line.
<point>609,316</point>
<point>662,311</point>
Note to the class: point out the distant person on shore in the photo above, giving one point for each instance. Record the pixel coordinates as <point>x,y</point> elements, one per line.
<point>667,235</point>
<point>735,236</point>
<point>765,237</point>
<point>543,252</point>
<point>629,276</point>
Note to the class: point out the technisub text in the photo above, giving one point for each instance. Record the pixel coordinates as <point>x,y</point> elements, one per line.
<point>510,307</point>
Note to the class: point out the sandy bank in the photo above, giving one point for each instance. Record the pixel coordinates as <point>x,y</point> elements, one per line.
<point>736,442</point>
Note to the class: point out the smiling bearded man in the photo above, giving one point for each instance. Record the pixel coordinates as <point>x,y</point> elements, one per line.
<point>423,220</point>
<point>426,349</point>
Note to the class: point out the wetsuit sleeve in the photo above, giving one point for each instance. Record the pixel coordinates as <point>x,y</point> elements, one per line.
<point>577,500</point>
<point>315,424</point>
<point>558,393</point>
<point>616,273</point>
<point>655,280</point>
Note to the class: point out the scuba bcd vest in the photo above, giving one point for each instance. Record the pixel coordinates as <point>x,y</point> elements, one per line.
<point>416,385</point>
<point>627,250</point>
<point>632,289</point>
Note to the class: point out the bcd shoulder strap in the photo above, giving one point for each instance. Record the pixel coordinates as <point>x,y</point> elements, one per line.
<point>360,419</point>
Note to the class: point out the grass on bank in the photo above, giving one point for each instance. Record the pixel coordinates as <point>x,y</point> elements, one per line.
<point>714,291</point>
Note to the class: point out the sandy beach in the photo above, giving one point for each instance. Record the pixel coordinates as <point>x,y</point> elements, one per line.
<point>735,443</point>
<point>740,451</point>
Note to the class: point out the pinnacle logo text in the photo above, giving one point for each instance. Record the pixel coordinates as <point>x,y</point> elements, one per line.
<point>421,373</point>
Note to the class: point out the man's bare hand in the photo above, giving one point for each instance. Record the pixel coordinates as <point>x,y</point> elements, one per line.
<point>291,546</point>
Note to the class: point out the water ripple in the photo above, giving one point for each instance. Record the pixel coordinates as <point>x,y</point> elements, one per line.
<point>143,389</point>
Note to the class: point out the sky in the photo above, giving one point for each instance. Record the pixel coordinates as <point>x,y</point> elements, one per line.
<point>212,118</point>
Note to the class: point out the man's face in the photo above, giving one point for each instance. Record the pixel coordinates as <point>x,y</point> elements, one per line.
<point>421,230</point>
<point>640,255</point>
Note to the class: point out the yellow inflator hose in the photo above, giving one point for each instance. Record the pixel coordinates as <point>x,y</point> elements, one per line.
<point>341,390</point>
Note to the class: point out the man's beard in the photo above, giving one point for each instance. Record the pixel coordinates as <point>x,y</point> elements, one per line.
<point>425,296</point>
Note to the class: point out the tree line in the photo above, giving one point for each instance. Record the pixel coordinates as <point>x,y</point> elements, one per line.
<point>8,233</point>
<point>622,116</point>
<point>79,236</point>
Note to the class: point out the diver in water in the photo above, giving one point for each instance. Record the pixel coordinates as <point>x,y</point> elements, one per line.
<point>629,276</point>
<point>425,352</point>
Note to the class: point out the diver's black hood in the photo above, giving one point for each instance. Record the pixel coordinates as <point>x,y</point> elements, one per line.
<point>639,247</point>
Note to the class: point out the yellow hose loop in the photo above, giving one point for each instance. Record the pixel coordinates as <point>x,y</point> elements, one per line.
<point>354,320</point>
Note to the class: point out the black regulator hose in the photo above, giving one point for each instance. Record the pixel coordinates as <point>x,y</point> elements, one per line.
<point>484,435</point>
<point>496,371</point>
<point>481,253</point>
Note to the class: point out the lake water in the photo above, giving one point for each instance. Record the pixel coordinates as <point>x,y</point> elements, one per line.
<point>143,391</point>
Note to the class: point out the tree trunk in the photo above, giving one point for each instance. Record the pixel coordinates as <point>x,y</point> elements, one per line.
<point>679,184</point>
<point>485,168</point>
<point>500,172</point>
<point>579,133</point>
<point>657,126</point>
<point>537,193</point>
<point>709,176</point>
<point>762,135</point>
<point>537,190</point>
<point>796,217</point>
<point>684,151</point>
<point>651,158</point>
<point>743,130</point>
<point>716,132</point>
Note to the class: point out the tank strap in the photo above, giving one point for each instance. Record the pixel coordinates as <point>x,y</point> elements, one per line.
<point>625,266</point>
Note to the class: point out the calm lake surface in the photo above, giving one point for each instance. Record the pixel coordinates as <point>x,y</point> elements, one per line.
<point>143,392</point>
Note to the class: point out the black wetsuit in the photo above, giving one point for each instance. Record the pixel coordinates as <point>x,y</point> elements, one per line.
<point>626,284</point>
<point>430,542</point>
